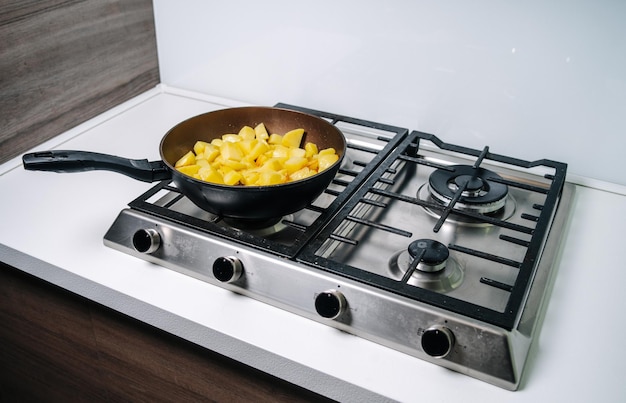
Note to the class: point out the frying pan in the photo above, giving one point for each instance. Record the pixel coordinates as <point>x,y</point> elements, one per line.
<point>247,203</point>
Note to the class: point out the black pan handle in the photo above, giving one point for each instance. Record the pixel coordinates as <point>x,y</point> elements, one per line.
<point>80,161</point>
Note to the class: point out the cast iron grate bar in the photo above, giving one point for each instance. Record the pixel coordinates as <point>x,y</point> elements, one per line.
<point>376,225</point>
<point>174,200</point>
<point>344,239</point>
<point>519,185</point>
<point>483,255</point>
<point>529,217</point>
<point>496,284</point>
<point>366,149</point>
<point>348,172</point>
<point>294,225</point>
<point>514,240</point>
<point>373,202</point>
<point>424,162</point>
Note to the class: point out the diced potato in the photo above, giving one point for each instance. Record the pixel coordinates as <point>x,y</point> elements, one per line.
<point>297,152</point>
<point>199,147</point>
<point>231,138</point>
<point>294,164</point>
<point>202,162</point>
<point>261,132</point>
<point>247,133</point>
<point>260,148</point>
<point>280,151</point>
<point>236,165</point>
<point>232,177</point>
<point>273,164</point>
<point>189,169</point>
<point>314,163</point>
<point>211,152</point>
<point>311,149</point>
<point>247,145</point>
<point>302,173</point>
<point>293,138</point>
<point>326,160</point>
<point>187,159</point>
<point>250,177</point>
<point>275,138</point>
<point>267,178</point>
<point>209,174</point>
<point>231,151</point>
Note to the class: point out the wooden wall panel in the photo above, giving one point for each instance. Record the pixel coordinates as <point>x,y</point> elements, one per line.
<point>64,62</point>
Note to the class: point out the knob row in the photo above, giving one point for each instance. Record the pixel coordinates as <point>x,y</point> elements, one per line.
<point>436,341</point>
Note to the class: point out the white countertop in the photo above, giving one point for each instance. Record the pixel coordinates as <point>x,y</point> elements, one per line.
<point>50,228</point>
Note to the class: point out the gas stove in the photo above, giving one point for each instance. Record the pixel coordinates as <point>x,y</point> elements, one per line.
<point>439,251</point>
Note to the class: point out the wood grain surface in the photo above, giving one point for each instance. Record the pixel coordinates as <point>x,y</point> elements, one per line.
<point>64,62</point>
<point>56,346</point>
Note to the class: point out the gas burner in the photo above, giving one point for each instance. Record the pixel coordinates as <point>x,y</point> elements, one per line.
<point>481,195</point>
<point>426,263</point>
<point>425,194</point>
<point>263,228</point>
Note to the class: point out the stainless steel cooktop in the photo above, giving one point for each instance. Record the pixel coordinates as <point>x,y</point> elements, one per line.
<point>440,251</point>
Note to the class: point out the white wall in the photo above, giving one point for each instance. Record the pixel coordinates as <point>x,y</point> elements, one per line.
<point>531,79</point>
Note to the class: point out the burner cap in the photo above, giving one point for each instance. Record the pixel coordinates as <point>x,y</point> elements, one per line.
<point>433,254</point>
<point>434,251</point>
<point>481,194</point>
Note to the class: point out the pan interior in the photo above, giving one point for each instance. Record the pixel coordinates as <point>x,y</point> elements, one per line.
<point>180,139</point>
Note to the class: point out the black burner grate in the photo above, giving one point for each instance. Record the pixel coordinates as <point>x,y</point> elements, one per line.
<point>378,191</point>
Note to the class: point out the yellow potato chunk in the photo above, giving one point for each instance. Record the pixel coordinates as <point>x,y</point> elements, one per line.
<point>247,133</point>
<point>189,169</point>
<point>293,138</point>
<point>297,152</point>
<point>302,173</point>
<point>261,147</point>
<point>211,152</point>
<point>310,149</point>
<point>280,151</point>
<point>232,177</point>
<point>275,138</point>
<point>231,138</point>
<point>187,159</point>
<point>267,177</point>
<point>230,151</point>
<point>260,132</point>
<point>326,160</point>
<point>209,174</point>
<point>294,164</point>
<point>199,147</point>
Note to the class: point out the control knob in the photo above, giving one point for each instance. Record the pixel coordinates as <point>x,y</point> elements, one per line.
<point>330,304</point>
<point>227,269</point>
<point>437,341</point>
<point>146,240</point>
